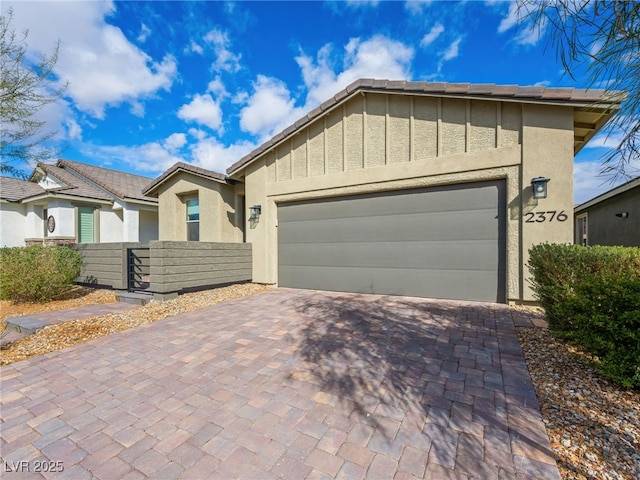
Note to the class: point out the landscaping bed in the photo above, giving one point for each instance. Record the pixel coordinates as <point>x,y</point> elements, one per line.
<point>64,335</point>
<point>593,425</point>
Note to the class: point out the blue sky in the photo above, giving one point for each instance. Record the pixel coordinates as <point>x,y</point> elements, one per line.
<point>153,83</point>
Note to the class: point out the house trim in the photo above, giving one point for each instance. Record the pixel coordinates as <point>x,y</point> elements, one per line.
<point>607,195</point>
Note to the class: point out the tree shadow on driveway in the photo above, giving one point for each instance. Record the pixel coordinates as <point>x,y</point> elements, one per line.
<point>388,353</point>
<point>455,367</point>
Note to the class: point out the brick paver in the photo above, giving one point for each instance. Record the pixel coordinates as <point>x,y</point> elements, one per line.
<point>286,384</point>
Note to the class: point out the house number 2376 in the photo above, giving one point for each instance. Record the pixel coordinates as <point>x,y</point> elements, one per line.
<point>548,216</point>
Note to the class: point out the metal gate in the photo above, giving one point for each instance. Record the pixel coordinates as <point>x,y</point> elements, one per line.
<point>138,271</point>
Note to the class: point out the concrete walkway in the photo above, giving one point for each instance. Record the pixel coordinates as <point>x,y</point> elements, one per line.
<point>285,384</point>
<point>30,324</point>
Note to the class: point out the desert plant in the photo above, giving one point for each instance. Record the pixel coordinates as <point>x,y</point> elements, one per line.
<point>37,273</point>
<point>591,296</point>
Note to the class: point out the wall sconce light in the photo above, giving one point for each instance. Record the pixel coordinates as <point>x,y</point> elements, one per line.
<point>255,210</point>
<point>623,214</point>
<point>539,187</point>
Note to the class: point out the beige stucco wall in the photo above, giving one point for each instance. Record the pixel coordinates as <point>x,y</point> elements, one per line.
<point>219,220</point>
<point>376,142</point>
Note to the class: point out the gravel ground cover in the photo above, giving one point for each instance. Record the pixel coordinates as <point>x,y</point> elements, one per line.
<point>77,297</point>
<point>593,425</point>
<point>64,335</point>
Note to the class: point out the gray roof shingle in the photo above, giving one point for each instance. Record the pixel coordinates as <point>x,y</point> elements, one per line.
<point>121,184</point>
<point>16,189</point>
<point>72,184</point>
<point>78,180</point>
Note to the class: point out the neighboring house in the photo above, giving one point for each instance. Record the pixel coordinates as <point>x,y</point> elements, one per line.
<point>72,202</point>
<point>612,218</point>
<point>403,188</point>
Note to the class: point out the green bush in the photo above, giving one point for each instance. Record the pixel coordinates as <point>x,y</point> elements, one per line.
<point>591,295</point>
<point>37,273</point>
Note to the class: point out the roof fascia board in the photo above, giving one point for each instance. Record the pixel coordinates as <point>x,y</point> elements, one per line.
<point>178,170</point>
<point>625,187</point>
<point>140,202</point>
<point>595,106</point>
<point>64,196</point>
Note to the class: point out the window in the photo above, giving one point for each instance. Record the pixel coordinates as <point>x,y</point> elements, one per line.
<point>193,220</point>
<point>581,230</point>
<point>86,225</point>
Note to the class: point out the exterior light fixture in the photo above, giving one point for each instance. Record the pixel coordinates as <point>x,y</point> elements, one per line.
<point>539,187</point>
<point>255,210</point>
<point>623,214</point>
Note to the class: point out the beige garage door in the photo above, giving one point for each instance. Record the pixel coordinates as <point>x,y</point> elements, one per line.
<point>442,242</point>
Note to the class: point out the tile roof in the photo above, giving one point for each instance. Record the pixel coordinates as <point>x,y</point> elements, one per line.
<point>78,180</point>
<point>564,96</point>
<point>16,189</point>
<point>121,184</point>
<point>72,184</point>
<point>184,167</point>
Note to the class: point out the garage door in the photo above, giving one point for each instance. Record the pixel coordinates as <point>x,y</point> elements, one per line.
<point>443,242</point>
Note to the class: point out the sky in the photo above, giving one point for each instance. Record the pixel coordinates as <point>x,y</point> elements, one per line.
<point>206,82</point>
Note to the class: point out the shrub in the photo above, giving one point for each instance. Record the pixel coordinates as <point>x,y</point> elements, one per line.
<point>37,273</point>
<point>591,295</point>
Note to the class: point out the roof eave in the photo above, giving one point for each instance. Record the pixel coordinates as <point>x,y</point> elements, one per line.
<point>140,201</point>
<point>614,192</point>
<point>364,86</point>
<point>65,196</point>
<point>152,189</point>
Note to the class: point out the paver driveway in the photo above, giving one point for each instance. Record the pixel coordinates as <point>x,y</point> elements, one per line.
<point>287,383</point>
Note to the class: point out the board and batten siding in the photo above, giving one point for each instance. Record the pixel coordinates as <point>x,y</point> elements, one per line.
<point>374,130</point>
<point>176,266</point>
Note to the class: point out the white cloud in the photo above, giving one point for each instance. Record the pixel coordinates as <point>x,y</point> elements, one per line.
<point>226,60</point>
<point>528,34</point>
<point>154,158</point>
<point>511,19</point>
<point>144,33</point>
<point>204,111</point>
<point>209,153</point>
<point>217,88</point>
<point>269,108</point>
<point>433,34</point>
<point>606,139</point>
<point>416,6</point>
<point>195,48</point>
<point>103,67</point>
<point>452,51</point>
<point>377,57</point>
<point>175,141</point>
<point>149,158</point>
<point>589,183</point>
<point>362,3</point>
